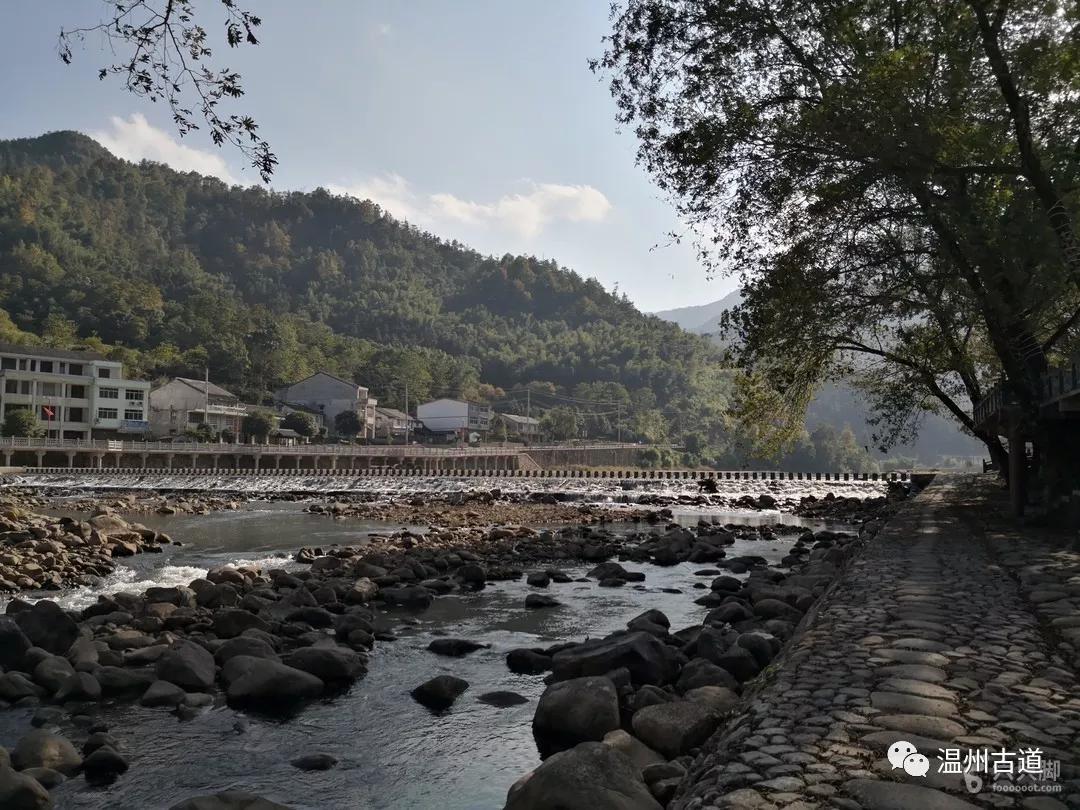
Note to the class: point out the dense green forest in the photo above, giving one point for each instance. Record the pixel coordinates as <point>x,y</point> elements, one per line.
<point>175,272</point>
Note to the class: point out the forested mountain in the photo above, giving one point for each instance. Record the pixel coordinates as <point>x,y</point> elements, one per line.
<point>174,272</point>
<point>702,319</point>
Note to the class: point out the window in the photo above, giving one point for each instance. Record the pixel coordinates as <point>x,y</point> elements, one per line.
<point>75,369</point>
<point>77,392</point>
<point>104,373</point>
<point>15,407</point>
<point>22,364</point>
<point>49,389</point>
<point>133,415</point>
<point>7,362</point>
<point>195,417</point>
<point>134,396</point>
<point>106,413</point>
<point>75,414</point>
<point>26,387</point>
<point>46,366</point>
<point>109,393</point>
<point>11,386</point>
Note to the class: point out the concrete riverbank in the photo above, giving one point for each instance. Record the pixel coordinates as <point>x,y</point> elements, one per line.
<point>951,632</point>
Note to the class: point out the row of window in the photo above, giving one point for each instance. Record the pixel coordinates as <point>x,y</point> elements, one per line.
<point>113,413</point>
<point>53,389</point>
<point>52,413</point>
<point>130,394</point>
<point>50,367</point>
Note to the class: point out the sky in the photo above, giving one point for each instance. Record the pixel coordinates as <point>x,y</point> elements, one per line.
<point>477,120</point>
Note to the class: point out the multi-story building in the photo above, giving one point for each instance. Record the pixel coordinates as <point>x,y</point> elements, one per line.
<point>182,404</point>
<point>455,416</point>
<point>392,424</point>
<point>522,428</point>
<point>329,395</point>
<point>75,395</point>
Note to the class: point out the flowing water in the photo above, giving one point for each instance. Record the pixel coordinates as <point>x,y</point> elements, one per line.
<point>393,753</point>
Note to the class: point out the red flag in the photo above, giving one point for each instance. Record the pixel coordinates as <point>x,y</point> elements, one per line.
<point>47,411</point>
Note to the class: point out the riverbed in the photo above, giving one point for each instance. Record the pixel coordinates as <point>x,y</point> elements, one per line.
<point>392,752</point>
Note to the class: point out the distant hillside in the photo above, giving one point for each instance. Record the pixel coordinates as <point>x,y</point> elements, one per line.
<point>183,272</point>
<point>839,405</point>
<point>701,319</point>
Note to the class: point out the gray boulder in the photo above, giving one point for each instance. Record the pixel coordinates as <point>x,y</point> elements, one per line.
<point>575,711</point>
<point>231,622</point>
<point>48,626</point>
<point>274,687</point>
<point>645,657</point>
<point>188,665</point>
<point>244,645</point>
<point>675,727</point>
<point>591,775</point>
<point>20,791</point>
<point>440,692</point>
<point>163,693</point>
<point>13,644</point>
<point>328,664</point>
<point>40,749</point>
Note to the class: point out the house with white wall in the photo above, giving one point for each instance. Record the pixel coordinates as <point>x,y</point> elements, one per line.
<point>183,404</point>
<point>455,416</point>
<point>74,394</point>
<point>329,395</point>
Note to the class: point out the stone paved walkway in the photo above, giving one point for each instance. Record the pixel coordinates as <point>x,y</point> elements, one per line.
<point>933,637</point>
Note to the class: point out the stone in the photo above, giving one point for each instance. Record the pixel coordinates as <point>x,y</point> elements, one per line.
<point>188,665</point>
<point>162,693</point>
<point>103,766</point>
<point>592,775</point>
<point>244,645</point>
<point>455,647</point>
<point>699,672</point>
<point>315,762</point>
<point>717,699</point>
<point>922,724</point>
<point>328,664</point>
<point>272,686</point>
<point>535,601</point>
<point>41,749</point>
<point>21,791</point>
<point>502,699</point>
<point>13,644</point>
<point>911,704</point>
<point>440,692</point>
<point>645,657</point>
<point>231,622</point>
<point>740,662</point>
<point>673,728</point>
<point>574,711</point>
<point>80,686</point>
<point>48,626</point>
<point>528,662</point>
<point>635,750</point>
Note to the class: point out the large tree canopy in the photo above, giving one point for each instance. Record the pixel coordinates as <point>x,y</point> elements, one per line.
<point>894,181</point>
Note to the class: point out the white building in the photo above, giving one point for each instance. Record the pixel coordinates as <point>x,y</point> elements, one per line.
<point>525,428</point>
<point>455,416</point>
<point>329,395</point>
<point>390,423</point>
<point>183,404</point>
<point>75,395</point>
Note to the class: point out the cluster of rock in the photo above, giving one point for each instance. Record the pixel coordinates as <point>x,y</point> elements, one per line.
<point>175,504</point>
<point>623,716</point>
<point>39,552</point>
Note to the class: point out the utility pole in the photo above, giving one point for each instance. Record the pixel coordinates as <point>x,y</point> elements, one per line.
<point>206,396</point>
<point>528,402</point>
<point>406,412</point>
<point>618,422</point>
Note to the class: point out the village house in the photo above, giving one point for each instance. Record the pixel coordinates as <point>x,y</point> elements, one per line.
<point>328,395</point>
<point>469,419</point>
<point>520,428</point>
<point>74,394</point>
<point>392,424</point>
<point>183,404</point>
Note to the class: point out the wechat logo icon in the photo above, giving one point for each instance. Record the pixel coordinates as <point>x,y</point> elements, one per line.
<point>903,754</point>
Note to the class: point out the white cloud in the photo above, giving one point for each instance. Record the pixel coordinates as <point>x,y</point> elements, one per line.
<point>524,214</point>
<point>137,139</point>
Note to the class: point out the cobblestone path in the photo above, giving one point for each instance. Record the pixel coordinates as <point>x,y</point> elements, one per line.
<point>947,632</point>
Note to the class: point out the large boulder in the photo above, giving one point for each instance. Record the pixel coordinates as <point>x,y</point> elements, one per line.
<point>244,645</point>
<point>188,665</point>
<point>19,791</point>
<point>575,711</point>
<point>272,686</point>
<point>673,728</point>
<point>48,626</point>
<point>700,672</point>
<point>635,750</point>
<point>229,800</point>
<point>328,664</point>
<point>13,644</point>
<point>231,622</point>
<point>440,692</point>
<point>592,775</point>
<point>645,657</point>
<point>40,749</point>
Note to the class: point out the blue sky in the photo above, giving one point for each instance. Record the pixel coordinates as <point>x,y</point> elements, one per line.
<point>478,120</point>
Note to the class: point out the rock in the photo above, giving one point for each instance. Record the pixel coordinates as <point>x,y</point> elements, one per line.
<point>575,711</point>
<point>20,791</point>
<point>81,686</point>
<point>412,596</point>
<point>231,622</point>
<point>539,579</point>
<point>13,644</point>
<point>272,686</point>
<point>103,766</point>
<point>40,749</point>
<point>52,671</point>
<point>740,662</point>
<point>646,658</point>
<point>163,693</point>
<point>534,601</point>
<point>662,770</point>
<point>329,664</point>
<point>188,665</point>
<point>472,574</point>
<point>244,645</point>
<point>763,646</point>
<point>717,699</point>
<point>901,796</point>
<point>528,662</point>
<point>48,626</point>
<point>502,700</point>
<point>46,777</point>
<point>591,775</point>
<point>440,692</point>
<point>315,762</point>
<point>673,728</point>
<point>362,592</point>
<point>455,647</point>
<point>229,800</point>
<point>700,672</point>
<point>635,750</point>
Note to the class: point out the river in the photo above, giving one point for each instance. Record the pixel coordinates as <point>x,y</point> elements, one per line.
<point>392,752</point>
